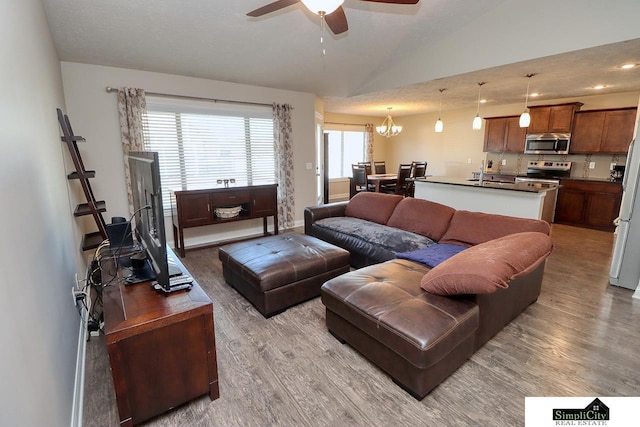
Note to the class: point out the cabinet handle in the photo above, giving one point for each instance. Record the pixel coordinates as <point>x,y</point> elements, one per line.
<point>208,207</point>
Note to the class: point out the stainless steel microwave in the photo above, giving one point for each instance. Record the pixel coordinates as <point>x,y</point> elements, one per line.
<point>547,143</point>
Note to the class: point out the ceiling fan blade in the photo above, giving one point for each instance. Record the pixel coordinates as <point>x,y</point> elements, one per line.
<point>395,1</point>
<point>272,7</point>
<point>337,21</point>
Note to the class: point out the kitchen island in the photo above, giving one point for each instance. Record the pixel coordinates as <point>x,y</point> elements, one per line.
<point>523,199</point>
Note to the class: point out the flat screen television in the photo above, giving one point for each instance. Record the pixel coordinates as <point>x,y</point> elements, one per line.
<point>144,169</point>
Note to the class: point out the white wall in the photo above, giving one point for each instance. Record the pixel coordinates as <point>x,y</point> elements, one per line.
<point>39,253</point>
<point>94,115</point>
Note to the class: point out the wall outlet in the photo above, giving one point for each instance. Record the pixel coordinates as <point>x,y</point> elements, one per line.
<point>592,165</point>
<point>469,160</point>
<point>611,166</point>
<point>504,162</point>
<point>309,165</point>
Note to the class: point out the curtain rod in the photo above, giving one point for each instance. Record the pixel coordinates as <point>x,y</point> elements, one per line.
<point>346,124</point>
<point>196,98</point>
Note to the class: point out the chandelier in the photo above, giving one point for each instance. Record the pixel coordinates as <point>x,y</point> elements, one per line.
<point>388,128</point>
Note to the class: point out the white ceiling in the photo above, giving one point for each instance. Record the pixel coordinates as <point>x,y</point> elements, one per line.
<point>392,55</point>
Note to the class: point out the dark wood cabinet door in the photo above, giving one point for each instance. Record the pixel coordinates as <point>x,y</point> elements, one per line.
<point>618,130</point>
<point>494,134</point>
<point>570,205</point>
<point>514,136</point>
<point>587,132</point>
<point>195,209</point>
<point>553,118</point>
<point>602,209</point>
<point>264,201</point>
<point>539,119</point>
<point>561,118</point>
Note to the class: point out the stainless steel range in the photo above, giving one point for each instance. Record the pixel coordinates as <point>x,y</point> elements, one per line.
<point>547,172</point>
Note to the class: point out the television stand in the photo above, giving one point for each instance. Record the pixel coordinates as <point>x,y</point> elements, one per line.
<point>176,283</point>
<point>162,349</point>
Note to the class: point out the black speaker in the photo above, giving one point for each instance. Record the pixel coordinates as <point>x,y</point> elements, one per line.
<point>119,232</point>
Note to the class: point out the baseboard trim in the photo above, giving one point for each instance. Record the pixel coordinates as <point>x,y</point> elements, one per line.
<point>78,389</point>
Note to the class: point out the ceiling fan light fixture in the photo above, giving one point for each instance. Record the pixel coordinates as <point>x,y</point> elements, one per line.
<point>388,128</point>
<point>322,6</point>
<point>525,117</point>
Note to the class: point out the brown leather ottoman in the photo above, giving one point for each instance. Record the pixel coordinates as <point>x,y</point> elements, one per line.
<point>276,272</point>
<point>418,338</point>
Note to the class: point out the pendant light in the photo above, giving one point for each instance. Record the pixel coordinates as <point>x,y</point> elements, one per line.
<point>525,118</point>
<point>439,125</point>
<point>477,121</point>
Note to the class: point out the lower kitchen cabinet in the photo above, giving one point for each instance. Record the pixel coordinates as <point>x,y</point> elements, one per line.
<point>589,204</point>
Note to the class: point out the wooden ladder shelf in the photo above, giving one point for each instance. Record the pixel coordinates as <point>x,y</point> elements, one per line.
<point>92,207</point>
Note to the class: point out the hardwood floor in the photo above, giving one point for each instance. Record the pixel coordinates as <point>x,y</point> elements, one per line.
<point>580,338</point>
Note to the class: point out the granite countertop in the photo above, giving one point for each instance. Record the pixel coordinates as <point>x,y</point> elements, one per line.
<point>529,187</point>
<point>589,179</point>
<point>568,178</point>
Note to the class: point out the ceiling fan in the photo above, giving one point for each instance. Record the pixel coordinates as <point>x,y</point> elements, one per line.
<point>329,10</point>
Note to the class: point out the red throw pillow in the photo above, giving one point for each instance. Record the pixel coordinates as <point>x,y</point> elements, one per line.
<point>484,268</point>
<point>376,207</point>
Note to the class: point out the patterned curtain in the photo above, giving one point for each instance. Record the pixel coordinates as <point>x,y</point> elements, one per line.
<point>283,143</point>
<point>368,156</point>
<point>132,106</point>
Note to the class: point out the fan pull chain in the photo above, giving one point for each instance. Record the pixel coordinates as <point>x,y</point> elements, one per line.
<point>322,25</point>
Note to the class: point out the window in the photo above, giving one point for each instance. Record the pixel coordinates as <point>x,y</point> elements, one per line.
<point>202,142</point>
<point>345,149</point>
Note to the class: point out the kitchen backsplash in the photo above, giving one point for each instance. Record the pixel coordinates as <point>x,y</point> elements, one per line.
<point>517,163</point>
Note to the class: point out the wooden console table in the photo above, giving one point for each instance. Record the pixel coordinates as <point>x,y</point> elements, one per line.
<point>195,208</point>
<point>161,348</point>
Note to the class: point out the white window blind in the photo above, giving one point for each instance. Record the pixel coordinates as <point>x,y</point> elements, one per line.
<point>200,143</point>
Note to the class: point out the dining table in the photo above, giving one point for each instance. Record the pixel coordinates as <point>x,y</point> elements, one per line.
<point>380,179</point>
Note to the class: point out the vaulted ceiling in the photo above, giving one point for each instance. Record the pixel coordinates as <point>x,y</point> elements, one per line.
<point>392,55</point>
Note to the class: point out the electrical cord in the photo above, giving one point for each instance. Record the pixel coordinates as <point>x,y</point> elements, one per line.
<point>94,309</point>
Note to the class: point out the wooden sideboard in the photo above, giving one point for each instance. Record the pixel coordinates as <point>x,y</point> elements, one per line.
<point>195,208</point>
<point>161,347</point>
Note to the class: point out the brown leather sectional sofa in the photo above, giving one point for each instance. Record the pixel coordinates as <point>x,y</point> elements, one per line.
<point>420,337</point>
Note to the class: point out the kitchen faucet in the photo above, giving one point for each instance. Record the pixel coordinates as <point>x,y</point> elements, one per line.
<point>481,173</point>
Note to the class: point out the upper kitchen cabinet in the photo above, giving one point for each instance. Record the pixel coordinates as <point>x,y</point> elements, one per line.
<point>504,135</point>
<point>553,118</point>
<point>603,131</point>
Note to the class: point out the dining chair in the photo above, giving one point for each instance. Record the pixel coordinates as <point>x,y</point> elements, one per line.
<point>400,187</point>
<point>380,166</point>
<point>418,169</point>
<point>367,165</point>
<point>359,180</point>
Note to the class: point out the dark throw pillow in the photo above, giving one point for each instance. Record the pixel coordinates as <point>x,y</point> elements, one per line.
<point>432,255</point>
